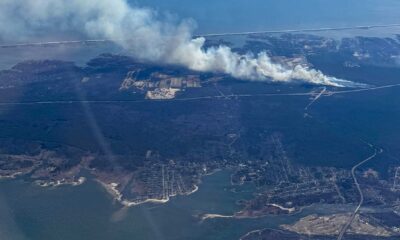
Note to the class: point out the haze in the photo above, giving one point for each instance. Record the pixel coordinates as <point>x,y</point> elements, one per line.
<point>247,15</point>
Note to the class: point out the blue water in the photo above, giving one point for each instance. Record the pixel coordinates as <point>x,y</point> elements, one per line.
<point>253,15</point>
<point>88,212</point>
<point>217,16</point>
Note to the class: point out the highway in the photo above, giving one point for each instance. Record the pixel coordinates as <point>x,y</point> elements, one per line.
<point>55,43</point>
<point>353,174</point>
<point>89,41</point>
<point>366,27</point>
<point>315,98</point>
<point>216,97</point>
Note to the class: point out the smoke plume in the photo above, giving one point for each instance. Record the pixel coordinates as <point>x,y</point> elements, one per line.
<point>146,34</point>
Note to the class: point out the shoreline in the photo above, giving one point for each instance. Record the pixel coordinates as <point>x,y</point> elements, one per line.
<point>61,182</point>
<point>196,188</point>
<point>290,210</point>
<point>213,216</point>
<point>11,176</point>
<point>111,188</point>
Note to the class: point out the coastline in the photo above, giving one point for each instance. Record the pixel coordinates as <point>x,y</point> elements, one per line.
<point>290,210</point>
<point>111,188</point>
<point>61,182</point>
<point>212,216</point>
<point>11,176</point>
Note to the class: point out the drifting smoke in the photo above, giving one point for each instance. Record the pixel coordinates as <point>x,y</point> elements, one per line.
<point>147,35</point>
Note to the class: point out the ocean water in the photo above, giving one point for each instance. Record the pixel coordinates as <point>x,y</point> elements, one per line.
<point>88,212</point>
<point>221,16</point>
<point>215,16</point>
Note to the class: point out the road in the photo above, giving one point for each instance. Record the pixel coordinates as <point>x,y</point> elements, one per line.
<point>221,97</point>
<point>89,41</point>
<point>353,170</point>
<point>366,27</point>
<point>315,98</point>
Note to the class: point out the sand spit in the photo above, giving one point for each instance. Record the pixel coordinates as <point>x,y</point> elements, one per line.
<point>112,188</point>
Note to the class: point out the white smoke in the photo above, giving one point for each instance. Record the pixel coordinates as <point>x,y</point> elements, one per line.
<point>147,35</point>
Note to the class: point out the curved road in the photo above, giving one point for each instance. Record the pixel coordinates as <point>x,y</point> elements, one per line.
<point>353,170</point>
